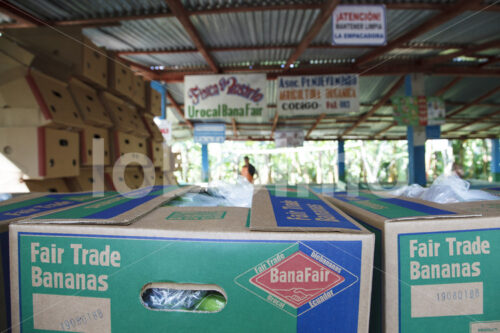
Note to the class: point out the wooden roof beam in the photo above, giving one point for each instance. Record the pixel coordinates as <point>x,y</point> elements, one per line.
<point>377,106</point>
<point>465,51</point>
<point>179,110</point>
<point>182,15</point>
<point>275,123</point>
<point>448,86</point>
<point>235,128</point>
<point>474,102</point>
<point>323,16</point>
<point>383,130</point>
<point>23,19</point>
<point>475,121</point>
<point>313,127</point>
<point>434,22</point>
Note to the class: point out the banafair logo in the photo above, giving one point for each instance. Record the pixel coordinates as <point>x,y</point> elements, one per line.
<point>296,280</point>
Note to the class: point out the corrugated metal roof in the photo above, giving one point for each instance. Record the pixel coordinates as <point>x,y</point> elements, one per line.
<point>78,9</point>
<point>5,19</point>
<point>193,5</point>
<point>373,87</point>
<point>398,22</point>
<point>277,27</point>
<point>470,88</point>
<point>177,91</point>
<point>149,34</point>
<point>189,60</point>
<point>470,27</point>
<point>252,57</point>
<point>329,55</point>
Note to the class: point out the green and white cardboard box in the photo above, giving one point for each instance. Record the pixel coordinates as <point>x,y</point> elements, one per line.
<point>347,256</point>
<point>88,207</point>
<point>89,278</point>
<point>25,206</point>
<point>440,266</point>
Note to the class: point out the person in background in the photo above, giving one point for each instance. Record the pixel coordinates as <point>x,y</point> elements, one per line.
<point>248,171</point>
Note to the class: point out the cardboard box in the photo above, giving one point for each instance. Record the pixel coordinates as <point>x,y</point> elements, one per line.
<point>152,128</point>
<point>204,247</point>
<point>156,153</point>
<point>121,78</point>
<point>68,46</point>
<point>130,177</point>
<point>124,143</point>
<point>25,206</point>
<point>53,185</point>
<point>125,116</point>
<point>139,91</point>
<point>41,152</point>
<point>153,100</point>
<point>440,266</point>
<point>345,305</point>
<point>89,104</point>
<point>31,98</point>
<point>86,181</point>
<point>87,136</point>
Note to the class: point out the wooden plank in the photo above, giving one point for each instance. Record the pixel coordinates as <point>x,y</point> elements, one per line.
<point>179,110</point>
<point>475,121</point>
<point>474,102</point>
<point>448,86</point>
<point>235,128</point>
<point>182,15</point>
<point>275,124</point>
<point>313,127</point>
<point>325,13</point>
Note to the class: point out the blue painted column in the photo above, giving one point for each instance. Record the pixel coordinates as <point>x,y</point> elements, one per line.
<point>341,160</point>
<point>416,151</point>
<point>495,159</point>
<point>204,163</point>
<point>162,89</point>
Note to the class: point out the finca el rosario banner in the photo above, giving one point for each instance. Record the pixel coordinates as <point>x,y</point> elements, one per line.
<point>219,97</point>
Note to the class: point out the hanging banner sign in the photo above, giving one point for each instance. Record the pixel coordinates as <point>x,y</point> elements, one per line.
<point>359,25</point>
<point>165,127</point>
<point>317,94</point>
<point>221,97</point>
<point>284,138</point>
<point>209,133</point>
<point>419,110</point>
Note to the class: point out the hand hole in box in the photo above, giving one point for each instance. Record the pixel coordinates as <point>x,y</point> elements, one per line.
<point>90,98</point>
<point>91,180</point>
<point>51,162</point>
<point>120,109</point>
<point>75,115</point>
<point>7,150</point>
<point>53,190</point>
<point>73,162</point>
<point>97,136</point>
<point>140,144</point>
<point>136,176</point>
<point>127,141</point>
<point>53,108</point>
<point>63,142</point>
<point>183,297</point>
<point>105,153</point>
<point>89,152</point>
<point>88,109</point>
<point>157,149</point>
<point>56,93</point>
